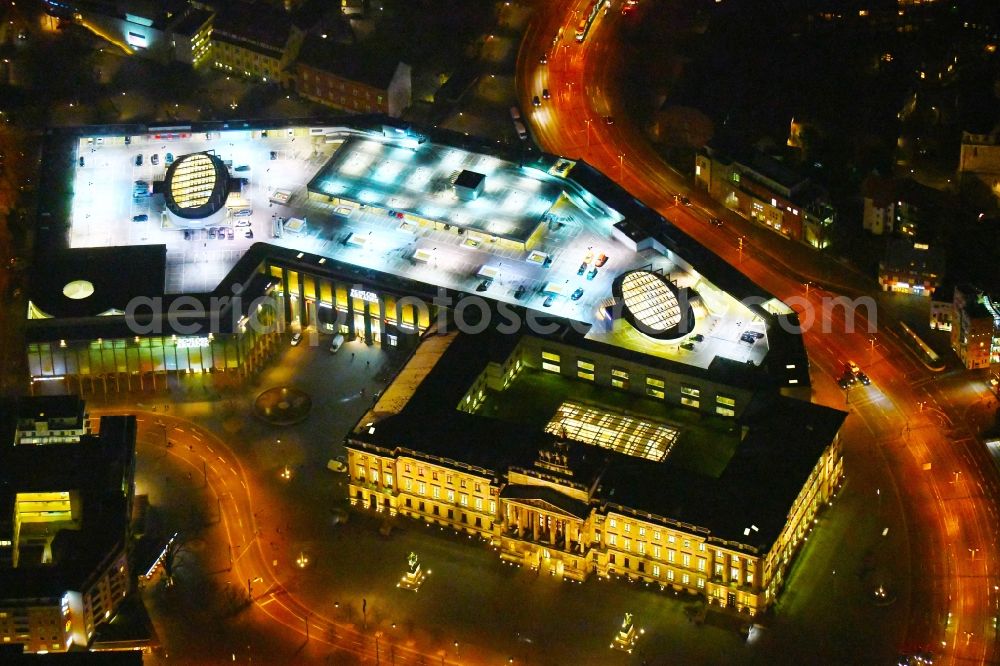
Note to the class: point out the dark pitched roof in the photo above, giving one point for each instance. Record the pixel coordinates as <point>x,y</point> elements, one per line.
<point>257,24</point>
<point>784,441</point>
<point>374,69</point>
<point>191,21</point>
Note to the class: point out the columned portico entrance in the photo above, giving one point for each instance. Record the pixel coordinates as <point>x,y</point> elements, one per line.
<point>538,533</point>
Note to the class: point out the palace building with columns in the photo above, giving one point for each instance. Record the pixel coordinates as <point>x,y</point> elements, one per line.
<point>583,475</point>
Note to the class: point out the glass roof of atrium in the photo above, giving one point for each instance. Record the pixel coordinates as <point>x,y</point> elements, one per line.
<point>641,438</point>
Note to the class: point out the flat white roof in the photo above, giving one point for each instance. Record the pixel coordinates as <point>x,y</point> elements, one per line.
<point>103,209</point>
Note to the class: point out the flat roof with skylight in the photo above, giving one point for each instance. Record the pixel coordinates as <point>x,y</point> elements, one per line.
<point>469,190</point>
<point>539,232</point>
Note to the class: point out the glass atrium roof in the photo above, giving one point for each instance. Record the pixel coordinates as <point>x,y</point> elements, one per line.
<point>619,432</point>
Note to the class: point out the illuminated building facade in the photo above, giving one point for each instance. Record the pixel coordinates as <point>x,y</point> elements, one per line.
<point>333,75</point>
<point>190,37</point>
<point>396,219</point>
<point>64,529</point>
<point>766,191</point>
<point>578,474</point>
<point>255,42</point>
<point>171,30</point>
<point>911,268</point>
<point>975,334</point>
<point>51,420</point>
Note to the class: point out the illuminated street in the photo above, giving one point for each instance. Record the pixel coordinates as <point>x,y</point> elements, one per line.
<point>339,574</point>
<point>590,332</point>
<point>939,469</point>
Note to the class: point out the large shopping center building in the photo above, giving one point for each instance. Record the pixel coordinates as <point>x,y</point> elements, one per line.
<point>352,229</point>
<point>642,427</point>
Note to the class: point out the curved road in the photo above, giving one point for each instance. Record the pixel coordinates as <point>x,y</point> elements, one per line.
<point>942,474</point>
<point>204,452</point>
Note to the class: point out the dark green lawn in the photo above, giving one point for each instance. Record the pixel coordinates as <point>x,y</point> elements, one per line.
<point>705,445</point>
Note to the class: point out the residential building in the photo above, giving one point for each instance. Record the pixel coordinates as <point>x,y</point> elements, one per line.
<point>975,336</point>
<point>942,308</point>
<point>64,528</point>
<point>191,36</point>
<point>767,191</point>
<point>911,268</point>
<point>577,489</point>
<point>51,420</point>
<point>257,42</point>
<point>338,76</point>
<point>879,205</point>
<point>901,206</point>
<point>979,160</point>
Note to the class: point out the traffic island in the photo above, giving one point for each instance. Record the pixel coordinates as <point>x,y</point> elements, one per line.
<point>282,406</point>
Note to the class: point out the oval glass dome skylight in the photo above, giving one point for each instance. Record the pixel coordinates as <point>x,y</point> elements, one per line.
<point>78,289</point>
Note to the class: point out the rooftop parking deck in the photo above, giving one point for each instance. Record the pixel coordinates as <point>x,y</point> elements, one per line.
<point>567,271</point>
